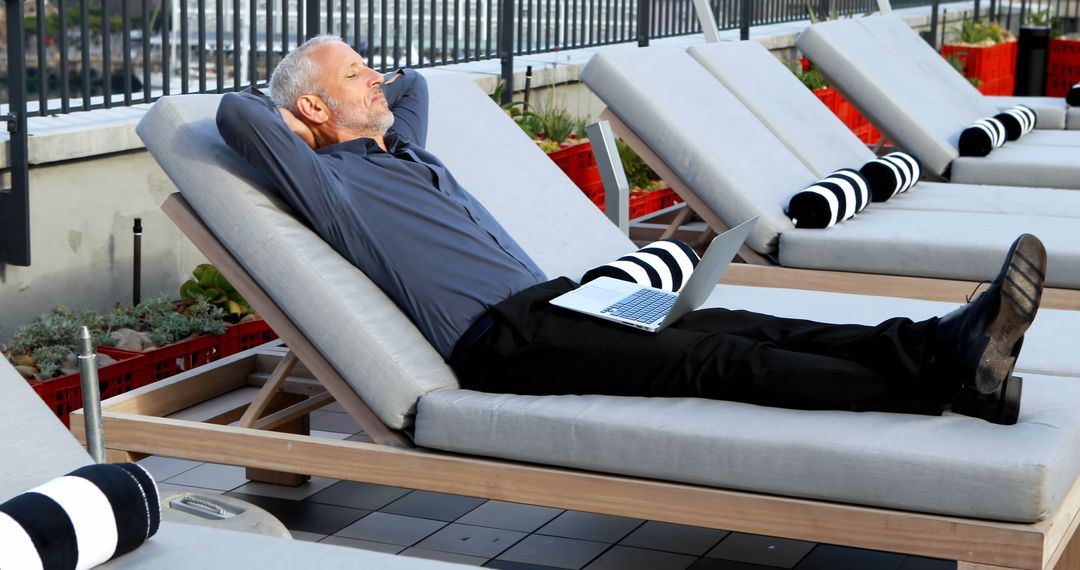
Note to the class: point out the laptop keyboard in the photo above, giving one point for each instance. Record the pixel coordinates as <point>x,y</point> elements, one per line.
<point>643,305</point>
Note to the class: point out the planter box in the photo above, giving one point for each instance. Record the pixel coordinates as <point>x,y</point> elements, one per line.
<point>994,66</point>
<point>178,357</point>
<point>243,336</point>
<point>1062,66</point>
<point>642,203</point>
<point>64,394</point>
<point>579,164</point>
<point>827,97</point>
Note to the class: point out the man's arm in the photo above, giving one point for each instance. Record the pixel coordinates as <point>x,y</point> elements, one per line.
<point>407,96</point>
<point>255,128</point>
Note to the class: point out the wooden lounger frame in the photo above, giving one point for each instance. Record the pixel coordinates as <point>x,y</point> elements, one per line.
<point>138,423</point>
<point>760,271</point>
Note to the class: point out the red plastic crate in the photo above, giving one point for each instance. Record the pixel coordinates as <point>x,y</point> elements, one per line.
<point>668,198</point>
<point>994,66</point>
<point>579,164</point>
<point>642,203</point>
<point>243,336</point>
<point>827,96</point>
<point>64,394</point>
<point>178,357</point>
<point>1058,86</point>
<point>1063,59</point>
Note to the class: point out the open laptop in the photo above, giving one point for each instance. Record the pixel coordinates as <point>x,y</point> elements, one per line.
<point>652,309</point>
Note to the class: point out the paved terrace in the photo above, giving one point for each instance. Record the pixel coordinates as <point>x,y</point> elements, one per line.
<point>473,531</point>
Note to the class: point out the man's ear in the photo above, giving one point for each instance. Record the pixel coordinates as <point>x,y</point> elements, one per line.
<point>312,109</point>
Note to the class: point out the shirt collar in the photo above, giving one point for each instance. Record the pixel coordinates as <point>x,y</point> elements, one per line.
<point>395,142</point>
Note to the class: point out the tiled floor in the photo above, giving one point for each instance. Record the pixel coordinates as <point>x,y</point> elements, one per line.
<point>496,534</point>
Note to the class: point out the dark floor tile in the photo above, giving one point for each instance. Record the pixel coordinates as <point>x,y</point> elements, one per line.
<point>717,564</point>
<point>629,558</point>
<point>333,421</point>
<point>443,556</point>
<point>508,565</point>
<point>511,516</point>
<point>680,538</point>
<point>360,437</point>
<point>211,476</point>
<point>829,557</point>
<point>358,495</point>
<point>305,516</point>
<point>554,551</point>
<point>920,563</point>
<point>764,550</point>
<point>428,505</point>
<point>363,544</point>
<point>470,540</point>
<point>391,529</point>
<point>590,526</point>
<point>162,467</point>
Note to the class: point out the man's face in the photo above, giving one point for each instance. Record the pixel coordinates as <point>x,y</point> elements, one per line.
<point>352,91</point>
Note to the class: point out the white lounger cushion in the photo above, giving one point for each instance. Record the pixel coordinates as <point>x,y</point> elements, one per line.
<point>962,245</point>
<point>918,120</point>
<point>958,197</point>
<point>647,90</point>
<point>950,465</point>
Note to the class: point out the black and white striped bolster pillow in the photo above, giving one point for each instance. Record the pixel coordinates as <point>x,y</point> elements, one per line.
<point>982,137</point>
<point>80,520</point>
<point>891,174</point>
<point>829,201</point>
<point>664,264</point>
<point>1018,121</point>
<point>1073,96</point>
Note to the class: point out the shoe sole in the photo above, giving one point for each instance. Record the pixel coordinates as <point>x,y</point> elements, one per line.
<point>1021,290</point>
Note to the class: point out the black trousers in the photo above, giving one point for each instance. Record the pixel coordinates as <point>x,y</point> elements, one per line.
<point>525,345</point>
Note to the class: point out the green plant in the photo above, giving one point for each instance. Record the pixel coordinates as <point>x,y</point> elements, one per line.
<point>976,33</point>
<point>638,174</point>
<point>959,66</point>
<point>55,335</point>
<point>210,285</point>
<point>812,79</point>
<point>1041,18</point>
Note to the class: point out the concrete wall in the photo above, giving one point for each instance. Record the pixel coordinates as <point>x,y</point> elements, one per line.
<point>81,216</point>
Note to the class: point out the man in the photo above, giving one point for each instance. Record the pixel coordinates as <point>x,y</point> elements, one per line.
<point>345,149</point>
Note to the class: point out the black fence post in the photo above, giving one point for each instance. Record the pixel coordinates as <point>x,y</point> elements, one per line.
<point>15,200</point>
<point>644,21</point>
<point>745,8</point>
<point>506,48</point>
<point>934,23</point>
<point>311,22</point>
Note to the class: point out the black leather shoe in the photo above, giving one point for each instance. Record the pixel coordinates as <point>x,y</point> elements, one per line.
<point>1000,407</point>
<point>978,343</point>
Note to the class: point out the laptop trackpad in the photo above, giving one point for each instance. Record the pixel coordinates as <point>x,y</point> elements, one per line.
<point>597,293</point>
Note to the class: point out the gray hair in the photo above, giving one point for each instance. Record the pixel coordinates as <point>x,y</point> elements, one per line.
<point>297,74</point>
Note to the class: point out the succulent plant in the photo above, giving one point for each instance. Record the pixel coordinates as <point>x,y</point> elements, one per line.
<point>210,285</point>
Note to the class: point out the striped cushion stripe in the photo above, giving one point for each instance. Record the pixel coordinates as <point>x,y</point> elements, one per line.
<point>833,199</point>
<point>1018,121</point>
<point>664,264</point>
<point>891,174</point>
<point>80,520</point>
<point>982,137</point>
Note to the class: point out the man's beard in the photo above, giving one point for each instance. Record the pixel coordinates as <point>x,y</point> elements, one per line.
<point>353,117</point>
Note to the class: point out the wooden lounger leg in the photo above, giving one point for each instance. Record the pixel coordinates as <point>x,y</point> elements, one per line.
<point>300,425</point>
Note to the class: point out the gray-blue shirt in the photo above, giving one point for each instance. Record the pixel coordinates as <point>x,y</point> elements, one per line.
<point>399,216</point>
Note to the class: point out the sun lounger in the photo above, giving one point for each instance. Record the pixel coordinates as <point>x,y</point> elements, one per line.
<point>38,448</point>
<point>729,167</point>
<point>824,144</point>
<point>678,460</point>
<point>917,119</point>
<point>906,45</point>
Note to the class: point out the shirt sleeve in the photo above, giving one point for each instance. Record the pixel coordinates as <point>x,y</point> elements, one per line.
<point>408,99</point>
<point>252,126</point>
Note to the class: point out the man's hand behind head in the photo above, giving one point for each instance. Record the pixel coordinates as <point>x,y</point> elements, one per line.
<point>299,127</point>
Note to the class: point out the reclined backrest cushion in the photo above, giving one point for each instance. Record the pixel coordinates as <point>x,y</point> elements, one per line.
<point>37,447</point>
<point>884,91</point>
<point>556,224</point>
<point>711,141</point>
<point>371,343</point>
<point>911,50</point>
<point>791,111</point>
